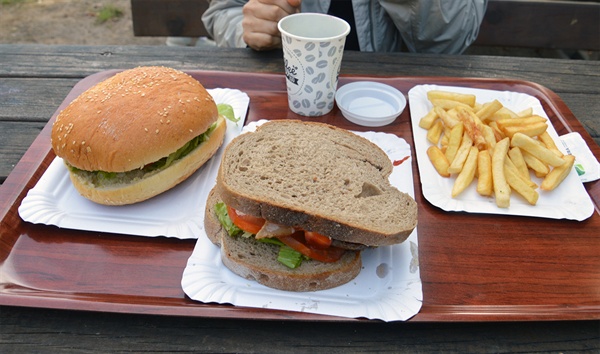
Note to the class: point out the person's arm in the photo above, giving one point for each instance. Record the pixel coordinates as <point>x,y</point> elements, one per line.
<point>223,21</point>
<point>251,23</point>
<point>436,26</point>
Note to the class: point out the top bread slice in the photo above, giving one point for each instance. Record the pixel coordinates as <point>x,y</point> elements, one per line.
<point>319,178</point>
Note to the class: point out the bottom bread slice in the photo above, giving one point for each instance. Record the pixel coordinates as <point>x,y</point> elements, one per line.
<point>257,261</point>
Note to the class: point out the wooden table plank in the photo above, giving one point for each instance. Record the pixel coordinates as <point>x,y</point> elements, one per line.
<point>32,100</point>
<point>25,329</point>
<point>586,107</point>
<point>16,137</point>
<point>76,61</point>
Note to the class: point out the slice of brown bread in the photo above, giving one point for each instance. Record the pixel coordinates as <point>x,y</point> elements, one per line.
<point>212,226</point>
<point>257,261</point>
<point>319,178</point>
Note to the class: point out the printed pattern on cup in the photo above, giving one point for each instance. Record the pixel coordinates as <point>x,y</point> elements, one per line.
<point>312,70</point>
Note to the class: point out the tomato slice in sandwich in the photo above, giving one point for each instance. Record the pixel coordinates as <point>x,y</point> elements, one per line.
<point>328,255</point>
<point>248,223</point>
<point>317,240</point>
<point>310,244</point>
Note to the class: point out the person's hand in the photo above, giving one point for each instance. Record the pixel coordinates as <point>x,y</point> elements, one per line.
<point>260,21</point>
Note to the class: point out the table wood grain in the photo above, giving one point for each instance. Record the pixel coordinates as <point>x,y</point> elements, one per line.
<point>35,79</point>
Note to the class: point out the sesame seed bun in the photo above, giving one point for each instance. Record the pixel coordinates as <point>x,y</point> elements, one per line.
<point>133,119</point>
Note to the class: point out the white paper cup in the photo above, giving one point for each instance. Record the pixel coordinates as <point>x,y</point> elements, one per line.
<point>313,46</point>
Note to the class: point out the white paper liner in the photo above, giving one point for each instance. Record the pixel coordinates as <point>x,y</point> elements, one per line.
<point>568,201</point>
<point>388,287</point>
<point>177,213</point>
<point>586,164</point>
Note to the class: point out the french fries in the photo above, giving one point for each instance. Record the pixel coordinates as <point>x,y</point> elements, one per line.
<point>541,152</point>
<point>526,112</point>
<point>516,157</point>
<point>509,165</point>
<point>532,129</point>
<point>485,185</point>
<point>549,142</point>
<point>435,132</point>
<point>490,143</point>
<point>454,141</point>
<point>466,99</point>
<point>448,104</point>
<point>503,113</point>
<point>488,110</point>
<point>439,160</point>
<point>447,118</point>
<point>501,187</point>
<point>557,175</point>
<point>461,155</point>
<point>517,184</point>
<point>472,124</point>
<point>466,175</point>
<point>538,167</point>
<point>427,121</point>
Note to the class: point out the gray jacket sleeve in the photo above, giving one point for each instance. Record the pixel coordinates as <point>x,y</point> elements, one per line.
<point>223,21</point>
<point>436,26</point>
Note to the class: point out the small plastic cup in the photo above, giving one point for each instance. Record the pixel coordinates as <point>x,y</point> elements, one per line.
<point>313,46</point>
<point>370,104</point>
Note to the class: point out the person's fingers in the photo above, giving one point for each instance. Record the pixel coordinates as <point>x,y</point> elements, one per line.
<point>260,26</point>
<point>260,23</point>
<point>295,3</point>
<point>260,34</point>
<point>260,41</point>
<point>270,10</point>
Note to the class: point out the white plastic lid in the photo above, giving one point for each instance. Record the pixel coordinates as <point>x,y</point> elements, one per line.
<point>370,104</point>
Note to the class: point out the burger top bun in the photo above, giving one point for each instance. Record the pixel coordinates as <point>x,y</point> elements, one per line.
<point>132,119</point>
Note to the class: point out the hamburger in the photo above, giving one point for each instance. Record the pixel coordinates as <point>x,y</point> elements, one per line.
<point>137,134</point>
<point>296,202</point>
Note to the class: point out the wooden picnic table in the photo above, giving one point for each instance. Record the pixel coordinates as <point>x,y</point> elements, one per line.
<point>460,313</point>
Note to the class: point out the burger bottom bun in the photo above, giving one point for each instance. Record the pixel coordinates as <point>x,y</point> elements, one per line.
<point>258,261</point>
<point>154,184</point>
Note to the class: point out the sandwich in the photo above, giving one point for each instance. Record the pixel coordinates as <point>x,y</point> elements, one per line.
<point>137,134</point>
<point>295,203</point>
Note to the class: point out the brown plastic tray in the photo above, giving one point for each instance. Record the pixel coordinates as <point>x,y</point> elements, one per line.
<point>474,267</point>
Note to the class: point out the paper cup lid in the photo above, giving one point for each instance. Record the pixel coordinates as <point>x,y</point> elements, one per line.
<point>370,104</point>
